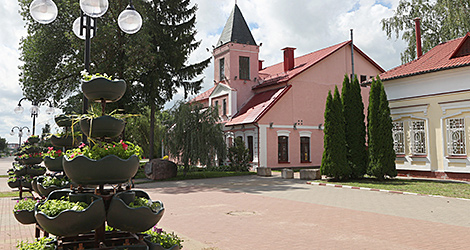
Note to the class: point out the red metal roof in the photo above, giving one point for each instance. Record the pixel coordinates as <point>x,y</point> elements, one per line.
<point>204,95</point>
<point>441,57</point>
<point>257,106</point>
<point>275,74</point>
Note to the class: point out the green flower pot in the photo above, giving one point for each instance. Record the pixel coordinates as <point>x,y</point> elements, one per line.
<point>136,219</point>
<point>65,141</point>
<point>108,170</point>
<point>54,164</point>
<point>35,171</point>
<point>33,150</point>
<point>25,216</point>
<point>14,184</point>
<point>71,222</point>
<point>103,126</point>
<point>101,88</point>
<point>31,161</point>
<point>63,120</point>
<point>20,172</point>
<point>33,140</point>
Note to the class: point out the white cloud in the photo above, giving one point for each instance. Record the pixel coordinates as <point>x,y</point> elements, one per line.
<point>308,25</point>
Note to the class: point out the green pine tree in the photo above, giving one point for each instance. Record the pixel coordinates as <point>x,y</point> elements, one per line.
<point>334,160</point>
<point>381,154</point>
<point>355,128</point>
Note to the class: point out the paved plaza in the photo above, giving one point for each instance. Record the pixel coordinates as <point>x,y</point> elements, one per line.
<point>251,212</point>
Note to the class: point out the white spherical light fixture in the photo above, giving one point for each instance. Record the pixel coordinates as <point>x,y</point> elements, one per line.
<point>94,8</point>
<point>76,28</point>
<point>43,11</point>
<point>130,20</point>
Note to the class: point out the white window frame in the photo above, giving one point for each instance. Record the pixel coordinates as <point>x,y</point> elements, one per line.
<point>398,131</point>
<point>453,143</point>
<point>418,137</point>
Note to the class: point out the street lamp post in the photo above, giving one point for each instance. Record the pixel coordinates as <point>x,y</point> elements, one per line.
<point>20,133</point>
<point>129,21</point>
<point>35,108</point>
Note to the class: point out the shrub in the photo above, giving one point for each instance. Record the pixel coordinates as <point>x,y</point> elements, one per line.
<point>239,156</point>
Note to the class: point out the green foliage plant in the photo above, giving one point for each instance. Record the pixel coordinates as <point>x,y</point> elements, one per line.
<point>166,240</point>
<point>334,160</point>
<point>355,127</point>
<point>239,156</point>
<point>88,77</point>
<point>25,204</point>
<point>122,149</point>
<point>380,138</point>
<point>143,202</point>
<point>195,135</point>
<point>53,208</point>
<point>55,181</point>
<point>32,155</point>
<point>39,244</point>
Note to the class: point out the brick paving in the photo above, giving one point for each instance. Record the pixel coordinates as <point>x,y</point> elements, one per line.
<point>253,212</point>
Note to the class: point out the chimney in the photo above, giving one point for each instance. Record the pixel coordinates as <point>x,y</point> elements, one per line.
<point>260,65</point>
<point>288,58</point>
<point>419,51</point>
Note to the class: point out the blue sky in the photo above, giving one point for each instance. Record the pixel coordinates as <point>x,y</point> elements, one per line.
<point>307,25</point>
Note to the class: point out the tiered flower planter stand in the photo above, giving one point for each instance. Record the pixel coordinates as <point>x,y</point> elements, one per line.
<point>108,202</point>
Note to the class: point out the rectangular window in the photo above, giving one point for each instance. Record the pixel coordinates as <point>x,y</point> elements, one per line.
<point>244,67</point>
<point>456,136</point>
<point>418,138</point>
<point>398,138</point>
<point>363,78</point>
<point>222,69</point>
<point>304,149</point>
<point>224,107</point>
<point>250,146</point>
<point>283,149</point>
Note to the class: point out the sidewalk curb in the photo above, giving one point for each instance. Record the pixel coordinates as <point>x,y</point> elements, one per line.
<point>379,190</point>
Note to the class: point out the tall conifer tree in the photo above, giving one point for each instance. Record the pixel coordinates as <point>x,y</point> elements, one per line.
<point>334,160</point>
<point>355,128</point>
<point>381,153</point>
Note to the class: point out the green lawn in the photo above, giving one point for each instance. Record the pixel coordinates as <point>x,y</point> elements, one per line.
<point>448,189</point>
<point>10,194</point>
<point>201,175</point>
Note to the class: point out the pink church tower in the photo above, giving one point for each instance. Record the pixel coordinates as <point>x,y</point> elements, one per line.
<point>236,66</point>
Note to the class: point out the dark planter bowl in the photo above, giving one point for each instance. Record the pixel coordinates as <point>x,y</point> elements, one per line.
<point>108,170</point>
<point>20,172</point>
<point>35,171</point>
<point>136,219</point>
<point>34,183</point>
<point>103,126</point>
<point>33,150</point>
<point>102,88</point>
<point>25,216</point>
<point>14,184</point>
<point>31,161</point>
<point>63,120</point>
<point>71,222</point>
<point>132,247</point>
<point>26,184</point>
<point>65,141</point>
<point>33,140</point>
<point>155,246</point>
<point>54,164</point>
<point>45,191</point>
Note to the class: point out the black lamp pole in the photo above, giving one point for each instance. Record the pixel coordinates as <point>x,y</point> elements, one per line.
<point>34,113</point>
<point>20,133</point>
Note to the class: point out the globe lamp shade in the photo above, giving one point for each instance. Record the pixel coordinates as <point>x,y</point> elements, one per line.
<point>130,21</point>
<point>43,11</point>
<point>94,8</point>
<point>76,28</point>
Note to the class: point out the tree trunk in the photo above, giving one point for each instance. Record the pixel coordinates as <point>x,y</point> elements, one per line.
<point>152,129</point>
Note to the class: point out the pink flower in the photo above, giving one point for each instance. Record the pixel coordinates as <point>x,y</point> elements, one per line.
<point>50,148</point>
<point>124,146</point>
<point>81,145</point>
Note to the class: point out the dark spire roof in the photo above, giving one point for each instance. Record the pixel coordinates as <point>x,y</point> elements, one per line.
<point>236,30</point>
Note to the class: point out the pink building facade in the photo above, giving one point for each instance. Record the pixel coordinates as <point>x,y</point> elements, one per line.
<point>278,111</point>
